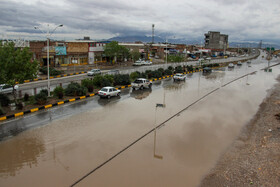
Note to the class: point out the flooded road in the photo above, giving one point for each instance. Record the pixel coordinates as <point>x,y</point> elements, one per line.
<point>65,143</point>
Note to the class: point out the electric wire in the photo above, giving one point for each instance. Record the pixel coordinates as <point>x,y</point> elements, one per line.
<point>158,126</point>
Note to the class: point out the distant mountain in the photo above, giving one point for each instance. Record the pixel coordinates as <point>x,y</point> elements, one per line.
<point>148,39</point>
<point>144,39</point>
<point>199,41</point>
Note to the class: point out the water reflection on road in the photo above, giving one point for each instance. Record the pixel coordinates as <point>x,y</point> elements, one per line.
<point>82,136</point>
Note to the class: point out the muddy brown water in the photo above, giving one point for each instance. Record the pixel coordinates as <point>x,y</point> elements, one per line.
<point>180,153</point>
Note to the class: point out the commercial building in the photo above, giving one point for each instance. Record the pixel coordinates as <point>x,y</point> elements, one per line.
<point>215,40</point>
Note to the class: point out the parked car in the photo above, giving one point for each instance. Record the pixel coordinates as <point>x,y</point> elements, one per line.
<point>5,88</point>
<point>179,77</point>
<point>108,92</point>
<point>231,65</point>
<point>207,70</point>
<point>94,72</point>
<point>141,83</point>
<point>239,63</point>
<point>147,62</point>
<point>208,58</point>
<point>114,72</point>
<point>138,63</point>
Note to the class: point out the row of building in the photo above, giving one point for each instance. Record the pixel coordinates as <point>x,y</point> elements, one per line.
<point>79,52</point>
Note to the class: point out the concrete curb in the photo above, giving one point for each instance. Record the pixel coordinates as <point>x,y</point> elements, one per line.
<point>53,77</point>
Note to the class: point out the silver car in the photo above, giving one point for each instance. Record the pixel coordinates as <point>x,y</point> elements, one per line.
<point>179,77</point>
<point>5,88</point>
<point>108,92</point>
<point>94,72</point>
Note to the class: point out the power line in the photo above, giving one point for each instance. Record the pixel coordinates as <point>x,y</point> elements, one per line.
<point>158,126</point>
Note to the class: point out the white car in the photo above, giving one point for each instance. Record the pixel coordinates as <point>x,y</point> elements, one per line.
<point>231,65</point>
<point>93,72</point>
<point>108,92</point>
<point>5,88</point>
<point>141,83</point>
<point>148,62</point>
<point>138,63</point>
<point>239,63</point>
<point>179,77</point>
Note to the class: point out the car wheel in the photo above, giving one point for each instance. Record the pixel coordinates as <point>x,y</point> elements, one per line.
<point>133,88</point>
<point>109,96</point>
<point>150,85</point>
<point>118,94</point>
<point>141,88</point>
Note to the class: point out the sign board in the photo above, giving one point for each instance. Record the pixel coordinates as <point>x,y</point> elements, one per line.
<point>60,50</point>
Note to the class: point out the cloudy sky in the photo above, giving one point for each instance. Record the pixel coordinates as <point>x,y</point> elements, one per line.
<point>102,19</point>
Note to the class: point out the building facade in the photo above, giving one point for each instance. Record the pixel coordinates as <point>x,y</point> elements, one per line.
<point>216,40</point>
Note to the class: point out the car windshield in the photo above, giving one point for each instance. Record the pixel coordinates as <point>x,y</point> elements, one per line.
<point>6,86</point>
<point>104,90</point>
<point>179,75</point>
<point>138,81</point>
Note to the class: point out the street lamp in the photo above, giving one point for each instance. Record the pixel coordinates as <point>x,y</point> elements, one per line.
<point>48,34</point>
<point>166,52</point>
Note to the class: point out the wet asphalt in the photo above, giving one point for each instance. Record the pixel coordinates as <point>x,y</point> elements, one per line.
<point>59,146</point>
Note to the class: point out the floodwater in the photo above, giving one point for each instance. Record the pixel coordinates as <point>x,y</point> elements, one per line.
<point>60,151</point>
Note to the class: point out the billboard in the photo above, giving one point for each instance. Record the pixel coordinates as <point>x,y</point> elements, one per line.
<point>60,50</point>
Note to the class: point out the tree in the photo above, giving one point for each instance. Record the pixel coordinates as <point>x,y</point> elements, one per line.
<point>135,55</point>
<point>114,50</point>
<point>123,52</point>
<point>16,65</point>
<point>111,49</point>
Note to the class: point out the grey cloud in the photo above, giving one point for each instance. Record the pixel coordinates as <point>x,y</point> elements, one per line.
<point>120,17</point>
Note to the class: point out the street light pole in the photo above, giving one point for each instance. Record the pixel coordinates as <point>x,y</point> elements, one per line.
<point>48,59</point>
<point>166,51</point>
<point>48,34</point>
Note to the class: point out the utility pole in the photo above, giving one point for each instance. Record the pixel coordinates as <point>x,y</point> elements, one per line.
<point>166,51</point>
<point>153,32</point>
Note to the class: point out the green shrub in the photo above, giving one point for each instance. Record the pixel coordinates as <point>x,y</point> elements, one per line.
<point>156,74</point>
<point>4,100</point>
<point>58,92</point>
<point>168,72</point>
<point>170,68</point>
<point>26,97</point>
<point>134,75</point>
<point>179,69</point>
<point>19,106</point>
<point>105,82</point>
<point>41,98</point>
<point>53,72</point>
<point>75,89</point>
<point>2,112</point>
<point>88,83</point>
<point>216,65</point>
<point>161,70</point>
<point>121,79</point>
<point>101,81</point>
<point>44,91</point>
<point>190,68</point>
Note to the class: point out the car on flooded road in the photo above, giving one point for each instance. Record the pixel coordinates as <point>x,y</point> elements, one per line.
<point>231,65</point>
<point>141,83</point>
<point>5,88</point>
<point>179,77</point>
<point>94,72</point>
<point>108,92</point>
<point>239,63</point>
